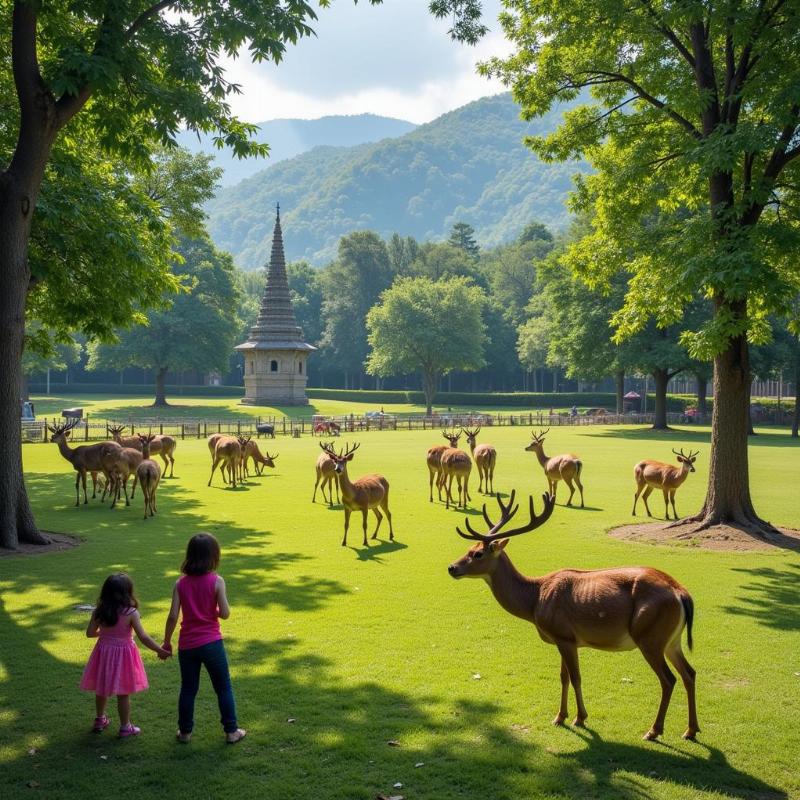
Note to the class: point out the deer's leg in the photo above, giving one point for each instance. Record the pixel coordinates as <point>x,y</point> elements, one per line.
<point>83,480</point>
<point>687,673</point>
<point>336,484</point>
<point>380,519</point>
<point>166,462</point>
<point>171,465</point>
<point>125,489</point>
<point>562,711</point>
<point>467,495</point>
<point>639,488</point>
<point>647,492</point>
<point>448,489</point>
<point>77,488</point>
<point>346,525</point>
<point>580,487</point>
<point>672,500</point>
<point>385,507</point>
<point>665,492</point>
<point>568,481</point>
<point>214,465</point>
<point>316,483</point>
<point>153,508</point>
<point>94,484</point>
<point>431,473</point>
<point>569,653</point>
<point>439,481</point>
<point>135,481</point>
<point>654,655</point>
<point>364,524</point>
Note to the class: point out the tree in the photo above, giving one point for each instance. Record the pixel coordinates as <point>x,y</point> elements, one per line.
<point>432,327</point>
<point>439,260</point>
<point>196,332</point>
<point>694,107</point>
<point>44,353</point>
<point>351,285</point>
<point>535,232</point>
<point>462,236</point>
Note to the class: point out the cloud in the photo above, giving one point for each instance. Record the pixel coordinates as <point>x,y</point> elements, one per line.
<point>394,60</point>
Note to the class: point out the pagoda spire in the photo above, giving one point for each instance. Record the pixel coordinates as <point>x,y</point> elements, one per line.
<point>276,320</point>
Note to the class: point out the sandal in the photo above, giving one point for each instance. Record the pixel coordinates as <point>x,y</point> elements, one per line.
<point>235,736</point>
<point>129,730</point>
<point>183,738</point>
<point>100,724</point>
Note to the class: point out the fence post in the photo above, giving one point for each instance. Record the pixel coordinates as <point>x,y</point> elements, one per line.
<point>183,431</point>
<point>86,430</point>
<point>161,428</point>
<point>284,426</point>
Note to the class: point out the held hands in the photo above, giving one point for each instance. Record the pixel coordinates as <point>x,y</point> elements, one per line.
<point>165,651</point>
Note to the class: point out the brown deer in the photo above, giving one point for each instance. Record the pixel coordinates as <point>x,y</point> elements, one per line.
<point>326,472</point>
<point>667,477</point>
<point>162,445</point>
<point>455,464</point>
<point>434,461</point>
<point>228,452</point>
<point>148,474</point>
<point>120,466</point>
<point>565,468</point>
<point>241,471</point>
<point>252,451</point>
<point>605,609</point>
<point>368,492</point>
<point>85,458</point>
<point>485,457</point>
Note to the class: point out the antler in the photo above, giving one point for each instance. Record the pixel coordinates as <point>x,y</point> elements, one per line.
<point>450,435</point>
<point>328,448</point>
<point>472,434</point>
<point>67,426</point>
<point>243,440</point>
<point>266,453</point>
<point>507,511</point>
<point>537,437</point>
<point>116,428</point>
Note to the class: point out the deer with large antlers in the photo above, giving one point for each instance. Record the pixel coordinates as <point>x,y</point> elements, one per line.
<point>227,451</point>
<point>567,467</point>
<point>605,609</point>
<point>326,473</point>
<point>651,475</point>
<point>85,458</point>
<point>148,474</point>
<point>485,457</point>
<point>434,461</point>
<point>162,445</point>
<point>368,492</point>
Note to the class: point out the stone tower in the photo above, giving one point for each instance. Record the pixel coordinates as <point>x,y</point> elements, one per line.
<point>275,354</point>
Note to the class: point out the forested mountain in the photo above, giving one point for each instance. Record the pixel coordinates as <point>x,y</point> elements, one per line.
<point>291,137</point>
<point>468,165</point>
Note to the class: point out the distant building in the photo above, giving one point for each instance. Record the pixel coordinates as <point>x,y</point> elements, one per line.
<point>275,354</point>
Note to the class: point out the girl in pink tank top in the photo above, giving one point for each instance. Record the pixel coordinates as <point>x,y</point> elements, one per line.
<point>200,601</point>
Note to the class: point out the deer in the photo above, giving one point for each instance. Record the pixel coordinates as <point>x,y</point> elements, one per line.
<point>120,466</point>
<point>241,470</point>
<point>250,450</point>
<point>622,608</point>
<point>455,464</point>
<point>326,472</point>
<point>162,445</point>
<point>434,461</point>
<point>485,457</point>
<point>148,474</point>
<point>85,458</point>
<point>368,492</point>
<point>565,467</point>
<point>227,451</point>
<point>651,475</point>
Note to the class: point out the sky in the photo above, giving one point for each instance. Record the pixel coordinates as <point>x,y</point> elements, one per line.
<point>395,60</point>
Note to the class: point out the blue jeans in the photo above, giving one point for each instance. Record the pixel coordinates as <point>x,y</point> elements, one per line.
<point>213,657</point>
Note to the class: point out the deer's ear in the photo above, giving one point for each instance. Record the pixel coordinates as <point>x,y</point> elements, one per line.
<point>350,457</point>
<point>499,544</point>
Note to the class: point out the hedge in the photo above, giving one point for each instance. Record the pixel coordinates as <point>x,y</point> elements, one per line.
<point>135,389</point>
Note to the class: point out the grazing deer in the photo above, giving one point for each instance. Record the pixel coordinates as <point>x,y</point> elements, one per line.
<point>162,445</point>
<point>434,461</point>
<point>228,452</point>
<point>252,451</point>
<point>606,609</point>
<point>148,474</point>
<point>485,457</point>
<point>565,468</point>
<point>85,458</point>
<point>240,467</point>
<point>667,477</point>
<point>326,472</point>
<point>368,492</point>
<point>455,464</point>
<point>120,466</point>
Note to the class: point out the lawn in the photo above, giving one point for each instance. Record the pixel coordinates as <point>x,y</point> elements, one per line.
<point>337,651</point>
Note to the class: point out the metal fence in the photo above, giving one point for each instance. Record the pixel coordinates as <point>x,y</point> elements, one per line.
<point>92,429</point>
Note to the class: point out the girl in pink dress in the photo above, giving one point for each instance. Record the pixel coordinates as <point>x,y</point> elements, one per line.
<point>115,666</point>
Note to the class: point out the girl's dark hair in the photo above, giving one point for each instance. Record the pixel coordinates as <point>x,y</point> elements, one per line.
<point>117,594</point>
<point>202,555</point>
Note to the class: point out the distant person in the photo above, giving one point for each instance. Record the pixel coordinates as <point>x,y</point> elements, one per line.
<point>115,666</point>
<point>573,412</point>
<point>199,599</point>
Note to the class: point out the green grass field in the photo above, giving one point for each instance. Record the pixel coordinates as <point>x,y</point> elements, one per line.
<point>362,646</point>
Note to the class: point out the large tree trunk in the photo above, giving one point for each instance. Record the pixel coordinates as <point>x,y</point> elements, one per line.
<point>728,495</point>
<point>661,379</point>
<point>619,377</point>
<point>796,415</point>
<point>702,400</point>
<point>430,382</point>
<point>161,388</point>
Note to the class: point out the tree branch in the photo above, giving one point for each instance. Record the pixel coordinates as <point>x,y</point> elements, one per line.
<point>668,33</point>
<point>145,16</point>
<point>24,60</point>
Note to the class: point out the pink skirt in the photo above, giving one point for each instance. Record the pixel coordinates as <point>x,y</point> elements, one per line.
<point>115,667</point>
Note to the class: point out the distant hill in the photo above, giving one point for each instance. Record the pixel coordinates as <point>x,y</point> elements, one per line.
<point>291,137</point>
<point>469,164</point>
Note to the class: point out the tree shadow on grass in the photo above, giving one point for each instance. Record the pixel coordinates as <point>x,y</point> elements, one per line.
<point>313,734</point>
<point>677,436</point>
<point>772,598</point>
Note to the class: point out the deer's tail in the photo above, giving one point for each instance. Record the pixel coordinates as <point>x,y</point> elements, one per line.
<point>688,609</point>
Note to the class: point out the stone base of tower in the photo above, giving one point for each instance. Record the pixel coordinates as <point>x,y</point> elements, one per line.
<point>259,390</point>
